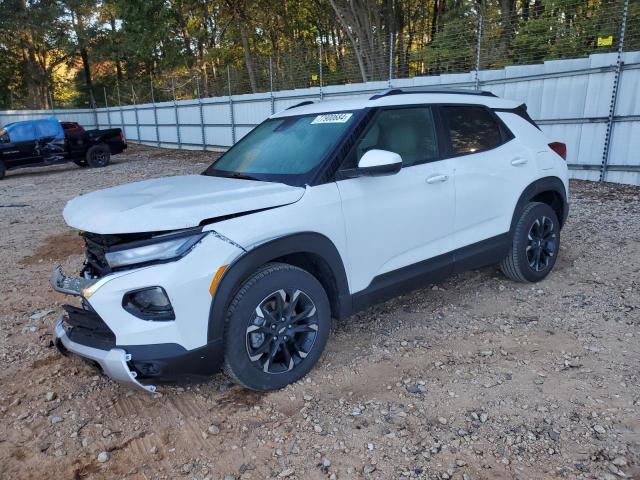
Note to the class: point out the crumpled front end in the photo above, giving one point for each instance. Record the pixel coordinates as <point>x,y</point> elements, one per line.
<point>133,342</point>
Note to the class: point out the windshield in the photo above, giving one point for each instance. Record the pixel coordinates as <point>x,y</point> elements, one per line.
<point>284,147</point>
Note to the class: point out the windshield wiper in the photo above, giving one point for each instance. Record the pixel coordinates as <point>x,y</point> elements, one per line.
<point>222,173</point>
<point>243,176</point>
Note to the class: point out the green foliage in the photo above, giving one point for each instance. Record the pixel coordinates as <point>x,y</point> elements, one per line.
<point>75,51</point>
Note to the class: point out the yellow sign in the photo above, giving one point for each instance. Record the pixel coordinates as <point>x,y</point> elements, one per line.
<point>605,41</point>
<point>314,77</point>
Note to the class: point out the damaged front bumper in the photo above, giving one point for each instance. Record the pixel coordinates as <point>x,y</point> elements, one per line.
<point>113,362</point>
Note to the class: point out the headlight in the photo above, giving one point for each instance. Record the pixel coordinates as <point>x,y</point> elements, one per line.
<point>158,249</point>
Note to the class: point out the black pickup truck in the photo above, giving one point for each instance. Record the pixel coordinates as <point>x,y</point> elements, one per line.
<point>47,141</point>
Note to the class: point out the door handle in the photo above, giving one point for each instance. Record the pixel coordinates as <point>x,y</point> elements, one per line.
<point>516,162</point>
<point>437,179</point>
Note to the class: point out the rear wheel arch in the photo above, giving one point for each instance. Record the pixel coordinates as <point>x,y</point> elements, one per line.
<point>549,190</point>
<point>310,251</point>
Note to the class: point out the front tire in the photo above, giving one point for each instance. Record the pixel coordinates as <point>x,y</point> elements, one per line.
<point>3,169</point>
<point>535,244</point>
<point>277,327</point>
<point>98,156</point>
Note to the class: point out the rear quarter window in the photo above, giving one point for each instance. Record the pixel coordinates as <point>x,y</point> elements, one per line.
<point>471,129</point>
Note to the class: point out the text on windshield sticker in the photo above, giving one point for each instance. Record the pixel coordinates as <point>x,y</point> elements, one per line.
<point>332,118</point>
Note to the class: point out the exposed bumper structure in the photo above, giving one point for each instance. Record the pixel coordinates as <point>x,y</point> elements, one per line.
<point>69,285</point>
<point>112,362</point>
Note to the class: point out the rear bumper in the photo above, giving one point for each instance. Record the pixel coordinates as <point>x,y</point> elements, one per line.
<point>113,362</point>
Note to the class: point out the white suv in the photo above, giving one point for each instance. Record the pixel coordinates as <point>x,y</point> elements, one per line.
<point>320,211</point>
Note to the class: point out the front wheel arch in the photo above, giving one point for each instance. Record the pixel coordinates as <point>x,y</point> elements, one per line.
<point>297,249</point>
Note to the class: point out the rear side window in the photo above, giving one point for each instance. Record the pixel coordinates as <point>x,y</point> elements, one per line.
<point>471,129</point>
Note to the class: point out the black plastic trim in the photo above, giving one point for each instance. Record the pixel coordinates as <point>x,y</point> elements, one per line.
<point>411,277</point>
<point>170,362</point>
<point>451,91</point>
<point>245,265</point>
<point>545,184</point>
<point>521,111</point>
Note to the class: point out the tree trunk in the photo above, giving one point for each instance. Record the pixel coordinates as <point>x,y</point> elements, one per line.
<point>247,58</point>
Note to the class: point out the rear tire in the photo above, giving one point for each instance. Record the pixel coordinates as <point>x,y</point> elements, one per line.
<point>535,244</point>
<point>3,169</point>
<point>98,156</point>
<point>277,327</point>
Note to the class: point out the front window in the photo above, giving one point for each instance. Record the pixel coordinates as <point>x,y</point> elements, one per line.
<point>285,149</point>
<point>408,131</point>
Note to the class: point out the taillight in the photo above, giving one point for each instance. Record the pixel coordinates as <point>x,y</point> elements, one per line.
<point>124,139</point>
<point>560,148</point>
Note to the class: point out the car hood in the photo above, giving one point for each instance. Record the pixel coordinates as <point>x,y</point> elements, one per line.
<point>172,203</point>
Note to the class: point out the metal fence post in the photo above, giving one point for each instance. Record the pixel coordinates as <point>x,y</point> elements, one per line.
<point>614,95</point>
<point>390,58</point>
<point>202,130</point>
<point>120,107</point>
<point>231,116</point>
<point>320,70</point>
<point>106,106</point>
<point>135,111</point>
<point>273,103</point>
<point>478,46</point>
<point>175,112</point>
<point>155,114</point>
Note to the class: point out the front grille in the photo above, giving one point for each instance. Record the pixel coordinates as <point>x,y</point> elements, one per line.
<point>85,327</point>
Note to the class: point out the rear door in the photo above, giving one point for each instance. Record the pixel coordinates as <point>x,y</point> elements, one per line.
<point>491,171</point>
<point>395,222</point>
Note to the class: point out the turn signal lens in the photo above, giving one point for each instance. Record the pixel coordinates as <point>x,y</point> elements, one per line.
<point>216,279</point>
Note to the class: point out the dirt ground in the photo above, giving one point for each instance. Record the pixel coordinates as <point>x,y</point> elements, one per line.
<point>475,378</point>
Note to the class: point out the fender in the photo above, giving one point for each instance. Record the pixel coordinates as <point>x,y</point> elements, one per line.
<point>241,268</point>
<point>544,184</point>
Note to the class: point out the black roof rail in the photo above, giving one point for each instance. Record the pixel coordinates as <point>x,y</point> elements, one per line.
<point>400,91</point>
<point>306,102</point>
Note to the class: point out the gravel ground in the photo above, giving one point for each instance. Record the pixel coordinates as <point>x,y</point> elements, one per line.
<point>474,378</point>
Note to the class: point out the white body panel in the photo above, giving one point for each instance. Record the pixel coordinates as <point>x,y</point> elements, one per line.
<point>391,220</point>
<point>488,185</point>
<point>172,203</point>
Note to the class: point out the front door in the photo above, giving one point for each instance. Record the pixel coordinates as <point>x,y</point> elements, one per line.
<point>396,223</point>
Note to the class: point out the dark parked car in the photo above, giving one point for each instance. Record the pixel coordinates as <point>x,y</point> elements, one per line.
<point>47,141</point>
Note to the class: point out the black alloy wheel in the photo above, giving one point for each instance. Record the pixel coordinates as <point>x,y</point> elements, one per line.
<point>542,245</point>
<point>98,156</point>
<point>535,244</point>
<point>277,327</point>
<point>282,331</point>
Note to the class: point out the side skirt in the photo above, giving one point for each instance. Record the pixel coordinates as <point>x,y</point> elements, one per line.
<point>405,279</point>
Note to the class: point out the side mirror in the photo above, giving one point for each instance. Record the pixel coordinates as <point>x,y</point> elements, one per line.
<point>375,163</point>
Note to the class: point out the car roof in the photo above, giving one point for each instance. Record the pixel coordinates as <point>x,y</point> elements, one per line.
<point>393,98</point>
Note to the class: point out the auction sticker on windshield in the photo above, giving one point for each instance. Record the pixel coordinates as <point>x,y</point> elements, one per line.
<point>332,118</point>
